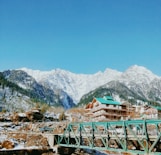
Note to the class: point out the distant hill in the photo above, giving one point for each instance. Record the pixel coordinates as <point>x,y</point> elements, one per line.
<point>37,91</point>
<point>63,88</point>
<point>13,97</point>
<point>116,89</point>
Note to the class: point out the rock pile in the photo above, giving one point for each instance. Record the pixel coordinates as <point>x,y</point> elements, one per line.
<point>29,140</point>
<point>36,140</point>
<point>33,115</point>
<point>7,144</point>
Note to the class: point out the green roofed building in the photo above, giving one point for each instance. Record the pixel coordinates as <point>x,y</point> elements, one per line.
<point>106,108</point>
<point>107,100</point>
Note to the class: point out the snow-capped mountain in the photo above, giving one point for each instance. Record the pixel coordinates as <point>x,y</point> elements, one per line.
<point>75,85</point>
<point>136,85</point>
<point>36,90</point>
<point>138,75</point>
<point>136,78</point>
<point>61,87</point>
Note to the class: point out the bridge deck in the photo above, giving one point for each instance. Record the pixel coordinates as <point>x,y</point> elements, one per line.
<point>136,136</point>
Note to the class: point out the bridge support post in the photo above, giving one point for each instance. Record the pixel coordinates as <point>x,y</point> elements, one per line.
<point>108,137</point>
<point>50,138</point>
<point>93,137</point>
<point>80,135</point>
<point>146,135</point>
<point>125,132</point>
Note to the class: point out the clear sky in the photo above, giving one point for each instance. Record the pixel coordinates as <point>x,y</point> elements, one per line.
<point>82,36</point>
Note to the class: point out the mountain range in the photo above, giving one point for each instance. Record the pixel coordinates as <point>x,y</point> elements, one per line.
<point>60,87</point>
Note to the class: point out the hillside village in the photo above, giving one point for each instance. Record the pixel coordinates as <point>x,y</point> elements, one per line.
<point>107,109</point>
<point>56,120</point>
<point>99,109</point>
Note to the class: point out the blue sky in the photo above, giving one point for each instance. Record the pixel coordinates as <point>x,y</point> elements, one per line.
<point>82,36</point>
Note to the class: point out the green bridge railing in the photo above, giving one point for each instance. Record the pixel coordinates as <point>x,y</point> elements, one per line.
<point>133,136</point>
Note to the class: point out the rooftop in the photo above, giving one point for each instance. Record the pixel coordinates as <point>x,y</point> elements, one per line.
<point>108,100</point>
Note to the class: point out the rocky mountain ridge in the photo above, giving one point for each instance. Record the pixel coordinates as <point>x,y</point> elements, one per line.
<point>137,78</point>
<point>35,92</point>
<point>66,88</point>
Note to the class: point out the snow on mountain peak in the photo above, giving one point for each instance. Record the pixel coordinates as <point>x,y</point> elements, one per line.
<point>139,74</point>
<point>112,72</point>
<point>77,85</point>
<point>140,70</point>
<point>43,75</point>
<point>34,73</point>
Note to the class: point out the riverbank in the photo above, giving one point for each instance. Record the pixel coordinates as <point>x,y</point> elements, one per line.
<point>27,152</point>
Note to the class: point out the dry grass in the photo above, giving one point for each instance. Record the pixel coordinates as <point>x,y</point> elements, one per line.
<point>81,111</point>
<point>56,110</point>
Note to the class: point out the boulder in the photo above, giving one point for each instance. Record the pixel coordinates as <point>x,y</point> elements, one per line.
<point>8,144</point>
<point>37,140</point>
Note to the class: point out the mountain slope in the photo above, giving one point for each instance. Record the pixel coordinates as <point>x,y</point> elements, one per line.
<point>54,97</point>
<point>136,78</point>
<point>75,85</point>
<point>13,97</point>
<point>135,85</point>
<point>60,87</point>
<point>116,89</point>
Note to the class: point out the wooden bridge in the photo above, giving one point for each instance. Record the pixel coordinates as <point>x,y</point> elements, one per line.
<point>132,136</point>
